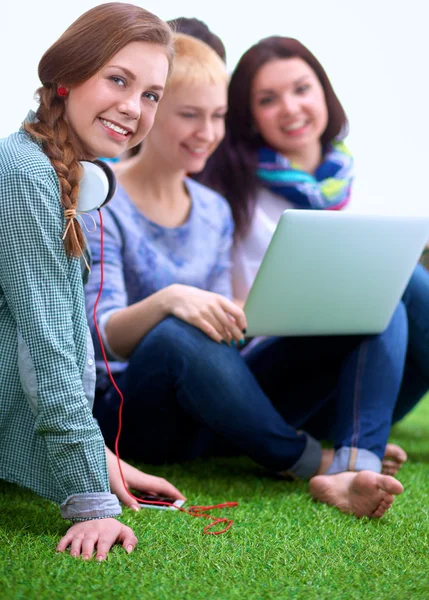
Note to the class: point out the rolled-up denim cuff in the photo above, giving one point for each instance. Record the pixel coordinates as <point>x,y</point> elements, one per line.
<point>85,507</point>
<point>309,461</point>
<point>354,459</point>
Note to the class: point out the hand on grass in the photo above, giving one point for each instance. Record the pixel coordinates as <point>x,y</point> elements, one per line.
<point>84,537</point>
<point>144,483</point>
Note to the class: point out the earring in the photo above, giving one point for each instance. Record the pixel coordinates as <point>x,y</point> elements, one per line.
<point>62,91</point>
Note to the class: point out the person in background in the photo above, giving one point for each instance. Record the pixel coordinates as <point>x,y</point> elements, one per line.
<point>49,440</point>
<point>284,148</point>
<point>173,333</point>
<point>198,29</point>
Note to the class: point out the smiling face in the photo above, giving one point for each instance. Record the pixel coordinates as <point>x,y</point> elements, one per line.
<point>289,108</point>
<point>189,126</point>
<point>114,109</point>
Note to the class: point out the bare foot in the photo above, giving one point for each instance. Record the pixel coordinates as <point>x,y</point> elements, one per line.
<point>363,493</point>
<point>394,458</point>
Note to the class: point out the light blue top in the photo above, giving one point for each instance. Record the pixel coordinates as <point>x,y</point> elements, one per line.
<point>142,257</point>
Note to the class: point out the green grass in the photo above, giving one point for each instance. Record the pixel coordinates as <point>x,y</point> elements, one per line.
<point>282,545</point>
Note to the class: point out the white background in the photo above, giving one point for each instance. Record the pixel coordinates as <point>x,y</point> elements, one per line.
<point>374,51</point>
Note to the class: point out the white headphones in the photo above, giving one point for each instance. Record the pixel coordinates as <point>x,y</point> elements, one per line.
<point>96,187</point>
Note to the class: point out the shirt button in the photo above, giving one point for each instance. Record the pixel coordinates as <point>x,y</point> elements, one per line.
<point>90,362</point>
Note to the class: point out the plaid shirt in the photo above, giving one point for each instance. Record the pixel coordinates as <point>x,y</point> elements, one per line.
<point>49,440</point>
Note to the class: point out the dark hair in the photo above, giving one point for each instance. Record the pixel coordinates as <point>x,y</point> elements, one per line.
<point>232,168</point>
<point>198,29</point>
<point>75,57</point>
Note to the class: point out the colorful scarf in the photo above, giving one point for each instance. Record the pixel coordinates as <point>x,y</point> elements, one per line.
<point>329,187</point>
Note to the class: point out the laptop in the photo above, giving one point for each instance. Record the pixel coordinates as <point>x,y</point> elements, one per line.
<point>334,273</point>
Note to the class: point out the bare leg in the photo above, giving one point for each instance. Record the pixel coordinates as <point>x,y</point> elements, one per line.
<point>362,493</point>
<point>325,461</point>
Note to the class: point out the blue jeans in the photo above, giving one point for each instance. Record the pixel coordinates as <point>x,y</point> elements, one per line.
<point>187,396</point>
<point>415,383</point>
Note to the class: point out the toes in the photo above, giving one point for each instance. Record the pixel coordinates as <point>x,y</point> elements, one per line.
<point>384,506</point>
<point>395,453</point>
<point>389,484</point>
<point>387,500</point>
<point>378,513</point>
<point>389,468</point>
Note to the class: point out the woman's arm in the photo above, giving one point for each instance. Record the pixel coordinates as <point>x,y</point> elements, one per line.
<point>123,326</point>
<point>220,279</point>
<point>208,311</point>
<point>127,326</point>
<point>37,280</point>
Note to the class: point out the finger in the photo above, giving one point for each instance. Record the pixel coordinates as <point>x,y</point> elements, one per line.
<point>76,545</point>
<point>127,500</point>
<point>208,329</point>
<point>128,539</point>
<point>236,332</point>
<point>65,542</point>
<point>228,323</point>
<point>105,541</point>
<point>162,487</point>
<point>227,336</point>
<point>235,311</point>
<point>88,546</point>
<point>208,313</point>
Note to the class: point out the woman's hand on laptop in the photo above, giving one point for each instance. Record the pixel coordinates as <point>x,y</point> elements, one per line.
<point>215,315</point>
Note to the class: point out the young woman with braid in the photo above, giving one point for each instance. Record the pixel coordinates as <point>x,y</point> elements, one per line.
<point>101,83</point>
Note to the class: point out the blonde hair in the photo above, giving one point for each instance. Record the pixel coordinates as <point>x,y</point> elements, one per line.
<point>75,57</point>
<point>195,63</point>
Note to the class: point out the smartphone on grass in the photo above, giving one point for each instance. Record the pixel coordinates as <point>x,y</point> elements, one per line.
<point>149,502</point>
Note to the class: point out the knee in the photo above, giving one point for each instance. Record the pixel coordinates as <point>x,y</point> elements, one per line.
<point>170,342</point>
<point>174,343</point>
<point>181,340</point>
<point>173,333</point>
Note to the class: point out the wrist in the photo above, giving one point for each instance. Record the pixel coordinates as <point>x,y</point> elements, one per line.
<point>168,298</point>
